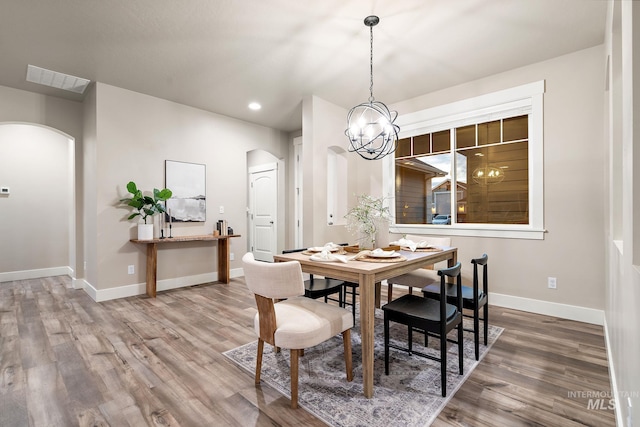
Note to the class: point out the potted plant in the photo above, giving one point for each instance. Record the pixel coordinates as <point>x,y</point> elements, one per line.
<point>364,219</point>
<point>145,207</point>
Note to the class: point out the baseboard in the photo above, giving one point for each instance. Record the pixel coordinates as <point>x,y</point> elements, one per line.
<point>563,311</point>
<point>125,291</point>
<point>36,273</point>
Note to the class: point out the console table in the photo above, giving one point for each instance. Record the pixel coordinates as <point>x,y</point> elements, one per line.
<point>152,255</point>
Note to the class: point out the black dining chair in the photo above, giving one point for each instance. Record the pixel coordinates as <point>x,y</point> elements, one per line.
<point>326,287</point>
<point>473,298</point>
<point>434,318</point>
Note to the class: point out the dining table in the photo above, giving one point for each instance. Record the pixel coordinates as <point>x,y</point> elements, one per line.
<point>367,271</point>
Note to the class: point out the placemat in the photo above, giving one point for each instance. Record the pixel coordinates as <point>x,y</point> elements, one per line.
<point>367,258</point>
<point>424,249</point>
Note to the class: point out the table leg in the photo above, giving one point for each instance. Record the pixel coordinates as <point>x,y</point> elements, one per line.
<point>152,269</point>
<point>453,260</point>
<point>367,323</point>
<point>223,260</point>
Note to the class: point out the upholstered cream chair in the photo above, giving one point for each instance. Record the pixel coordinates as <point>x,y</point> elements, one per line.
<point>295,322</point>
<point>423,276</point>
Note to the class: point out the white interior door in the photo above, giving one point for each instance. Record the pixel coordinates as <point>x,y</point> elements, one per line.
<point>264,209</point>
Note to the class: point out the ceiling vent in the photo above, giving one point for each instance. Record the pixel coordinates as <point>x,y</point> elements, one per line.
<point>55,79</point>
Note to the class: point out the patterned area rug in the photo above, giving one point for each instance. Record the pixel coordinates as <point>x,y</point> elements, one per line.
<point>409,396</point>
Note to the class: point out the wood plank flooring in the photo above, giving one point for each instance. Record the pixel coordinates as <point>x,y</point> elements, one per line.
<point>68,361</point>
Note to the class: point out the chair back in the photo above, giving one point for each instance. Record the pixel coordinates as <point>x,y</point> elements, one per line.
<point>485,276</point>
<point>451,272</point>
<point>278,280</point>
<point>435,241</point>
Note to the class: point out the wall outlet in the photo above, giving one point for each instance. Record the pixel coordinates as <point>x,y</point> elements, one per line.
<point>221,210</point>
<point>552,283</point>
<point>131,269</point>
<point>5,190</point>
<point>232,256</point>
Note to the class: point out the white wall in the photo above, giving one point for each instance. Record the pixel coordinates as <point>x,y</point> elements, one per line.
<point>61,115</point>
<point>623,221</point>
<point>134,135</point>
<point>573,249</point>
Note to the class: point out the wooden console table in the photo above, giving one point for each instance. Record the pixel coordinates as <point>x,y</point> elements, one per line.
<point>152,256</point>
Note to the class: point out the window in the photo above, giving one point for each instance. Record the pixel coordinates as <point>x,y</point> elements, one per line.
<point>472,168</point>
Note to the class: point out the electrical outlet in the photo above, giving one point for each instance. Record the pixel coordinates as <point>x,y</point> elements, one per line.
<point>131,269</point>
<point>232,256</point>
<point>221,210</point>
<point>552,283</point>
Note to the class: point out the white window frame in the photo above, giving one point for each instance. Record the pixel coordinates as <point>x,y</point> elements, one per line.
<point>520,100</point>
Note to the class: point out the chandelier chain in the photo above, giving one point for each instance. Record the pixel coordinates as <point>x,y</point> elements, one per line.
<point>371,98</point>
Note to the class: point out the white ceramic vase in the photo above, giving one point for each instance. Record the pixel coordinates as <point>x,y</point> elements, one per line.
<point>145,231</point>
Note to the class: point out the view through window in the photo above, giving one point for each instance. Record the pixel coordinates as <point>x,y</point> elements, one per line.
<point>476,173</point>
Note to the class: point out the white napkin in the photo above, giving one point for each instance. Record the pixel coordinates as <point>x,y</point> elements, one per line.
<point>327,246</point>
<point>411,245</point>
<point>382,253</point>
<point>327,256</point>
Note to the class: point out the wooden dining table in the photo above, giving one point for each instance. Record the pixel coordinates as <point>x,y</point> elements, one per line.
<point>367,272</point>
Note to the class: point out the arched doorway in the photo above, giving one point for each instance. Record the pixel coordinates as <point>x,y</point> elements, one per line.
<point>38,216</point>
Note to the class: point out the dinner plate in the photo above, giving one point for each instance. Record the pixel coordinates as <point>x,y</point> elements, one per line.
<point>384,254</point>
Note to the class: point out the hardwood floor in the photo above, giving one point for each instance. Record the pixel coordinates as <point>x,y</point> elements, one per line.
<point>66,360</point>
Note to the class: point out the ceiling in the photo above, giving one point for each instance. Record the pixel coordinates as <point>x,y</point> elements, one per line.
<point>219,55</point>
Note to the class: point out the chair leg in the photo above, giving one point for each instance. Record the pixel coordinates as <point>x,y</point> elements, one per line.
<point>410,339</point>
<point>346,339</point>
<point>461,349</point>
<point>476,330</point>
<point>485,312</point>
<point>353,304</point>
<point>386,344</point>
<point>259,360</point>
<point>294,378</point>
<point>443,363</point>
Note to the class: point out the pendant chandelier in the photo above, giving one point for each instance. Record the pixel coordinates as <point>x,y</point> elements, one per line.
<point>370,125</point>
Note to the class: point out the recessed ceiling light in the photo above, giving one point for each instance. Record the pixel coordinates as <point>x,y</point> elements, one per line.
<point>55,79</point>
<point>255,106</point>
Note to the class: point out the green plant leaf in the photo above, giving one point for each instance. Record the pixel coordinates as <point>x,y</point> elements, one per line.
<point>163,194</point>
<point>132,188</point>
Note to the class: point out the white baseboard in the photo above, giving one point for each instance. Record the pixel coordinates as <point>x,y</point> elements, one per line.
<point>124,291</point>
<point>36,273</point>
<point>563,311</point>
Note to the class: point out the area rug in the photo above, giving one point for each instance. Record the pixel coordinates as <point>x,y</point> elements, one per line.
<point>409,396</point>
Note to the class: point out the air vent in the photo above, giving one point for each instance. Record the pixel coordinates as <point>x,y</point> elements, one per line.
<point>55,79</point>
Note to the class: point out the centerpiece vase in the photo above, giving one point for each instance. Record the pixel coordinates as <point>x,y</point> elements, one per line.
<point>368,241</point>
